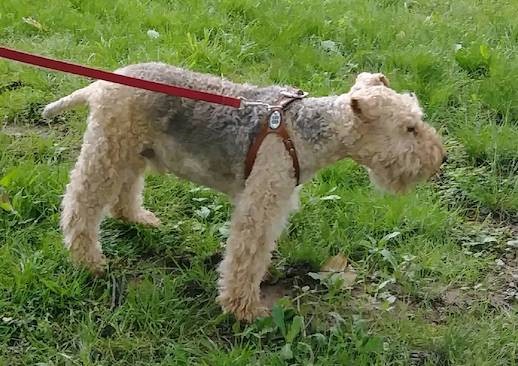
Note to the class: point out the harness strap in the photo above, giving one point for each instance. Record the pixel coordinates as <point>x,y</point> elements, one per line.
<point>274,123</point>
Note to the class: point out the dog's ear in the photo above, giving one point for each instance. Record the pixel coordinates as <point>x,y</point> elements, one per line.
<point>366,106</point>
<point>365,79</point>
<point>359,107</point>
<point>383,79</point>
<point>355,106</point>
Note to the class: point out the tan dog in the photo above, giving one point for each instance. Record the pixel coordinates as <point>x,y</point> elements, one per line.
<point>130,129</point>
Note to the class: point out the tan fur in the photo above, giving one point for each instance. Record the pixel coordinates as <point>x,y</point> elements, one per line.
<point>371,124</point>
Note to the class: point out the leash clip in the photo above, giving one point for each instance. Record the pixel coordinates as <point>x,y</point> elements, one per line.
<point>251,103</point>
<point>299,94</point>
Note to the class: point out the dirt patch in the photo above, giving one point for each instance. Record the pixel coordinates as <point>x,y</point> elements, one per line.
<point>503,280</point>
<point>278,282</point>
<point>454,297</point>
<point>194,289</point>
<point>271,293</point>
<point>288,282</point>
<point>212,261</point>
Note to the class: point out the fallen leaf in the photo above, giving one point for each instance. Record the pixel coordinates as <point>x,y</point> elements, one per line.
<point>337,263</point>
<point>348,279</point>
<point>34,23</point>
<point>336,269</point>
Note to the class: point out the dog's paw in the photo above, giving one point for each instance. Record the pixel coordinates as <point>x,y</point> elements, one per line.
<point>138,216</point>
<point>243,309</point>
<point>99,269</point>
<point>147,218</point>
<point>91,259</point>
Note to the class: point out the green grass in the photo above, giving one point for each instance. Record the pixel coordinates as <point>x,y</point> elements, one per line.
<point>156,305</point>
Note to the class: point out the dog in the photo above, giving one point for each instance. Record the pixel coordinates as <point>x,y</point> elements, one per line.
<point>129,130</point>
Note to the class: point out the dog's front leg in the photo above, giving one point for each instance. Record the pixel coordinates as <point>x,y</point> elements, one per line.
<point>259,217</point>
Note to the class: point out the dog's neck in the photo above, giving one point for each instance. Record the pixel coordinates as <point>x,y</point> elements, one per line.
<point>323,131</point>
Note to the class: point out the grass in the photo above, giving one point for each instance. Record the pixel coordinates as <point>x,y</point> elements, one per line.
<point>433,250</point>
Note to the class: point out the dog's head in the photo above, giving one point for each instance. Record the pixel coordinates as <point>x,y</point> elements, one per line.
<point>396,146</point>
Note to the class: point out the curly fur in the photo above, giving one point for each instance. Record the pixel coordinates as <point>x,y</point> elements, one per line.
<point>130,129</point>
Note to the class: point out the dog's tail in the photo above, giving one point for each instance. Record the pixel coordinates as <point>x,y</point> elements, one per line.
<point>79,97</point>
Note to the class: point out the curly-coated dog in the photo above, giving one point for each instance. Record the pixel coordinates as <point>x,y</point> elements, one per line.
<point>130,129</point>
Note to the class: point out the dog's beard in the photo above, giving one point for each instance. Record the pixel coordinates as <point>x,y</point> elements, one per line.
<point>390,186</point>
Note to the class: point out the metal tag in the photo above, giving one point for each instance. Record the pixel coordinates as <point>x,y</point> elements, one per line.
<point>275,120</point>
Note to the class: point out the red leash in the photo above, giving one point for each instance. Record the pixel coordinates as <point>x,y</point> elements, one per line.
<point>116,78</point>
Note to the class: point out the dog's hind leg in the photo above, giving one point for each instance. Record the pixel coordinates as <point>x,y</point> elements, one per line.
<point>94,183</point>
<point>259,217</point>
<point>128,203</point>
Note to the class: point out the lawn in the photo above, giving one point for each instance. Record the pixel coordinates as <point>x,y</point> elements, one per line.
<point>435,277</point>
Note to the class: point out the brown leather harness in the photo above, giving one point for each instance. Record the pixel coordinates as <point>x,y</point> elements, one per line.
<point>274,122</point>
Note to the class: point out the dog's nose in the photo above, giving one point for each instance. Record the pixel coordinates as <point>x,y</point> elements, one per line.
<point>445,159</point>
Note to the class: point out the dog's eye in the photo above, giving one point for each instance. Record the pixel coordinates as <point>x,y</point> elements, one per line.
<point>411,129</point>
